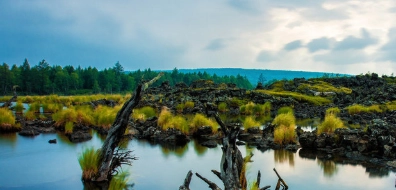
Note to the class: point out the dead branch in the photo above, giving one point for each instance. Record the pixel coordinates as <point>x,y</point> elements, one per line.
<point>212,185</point>
<point>280,182</point>
<point>217,173</point>
<point>186,184</point>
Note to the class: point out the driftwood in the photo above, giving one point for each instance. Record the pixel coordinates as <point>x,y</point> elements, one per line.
<point>116,134</point>
<point>186,184</point>
<point>280,182</point>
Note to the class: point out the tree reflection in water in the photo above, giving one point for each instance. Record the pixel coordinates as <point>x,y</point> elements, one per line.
<point>329,167</point>
<point>282,155</point>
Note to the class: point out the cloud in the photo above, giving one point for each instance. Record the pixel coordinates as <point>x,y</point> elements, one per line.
<point>265,56</point>
<point>346,57</point>
<point>321,14</point>
<point>319,44</point>
<point>217,44</point>
<point>352,42</point>
<point>293,45</point>
<point>388,50</point>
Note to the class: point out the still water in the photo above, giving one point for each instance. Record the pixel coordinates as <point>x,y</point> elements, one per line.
<point>33,163</point>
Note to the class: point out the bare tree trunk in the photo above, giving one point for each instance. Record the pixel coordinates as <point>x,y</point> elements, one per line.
<point>12,99</point>
<point>116,132</point>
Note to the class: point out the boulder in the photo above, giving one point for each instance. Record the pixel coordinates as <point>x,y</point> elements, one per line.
<point>79,136</point>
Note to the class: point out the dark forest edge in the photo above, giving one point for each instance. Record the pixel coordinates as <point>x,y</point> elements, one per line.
<point>44,79</point>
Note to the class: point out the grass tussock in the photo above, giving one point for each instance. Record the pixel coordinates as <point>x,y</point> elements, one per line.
<point>69,127</point>
<point>250,122</point>
<point>222,107</point>
<point>143,113</point>
<point>7,120</point>
<point>35,107</point>
<point>284,110</point>
<point>30,115</point>
<point>200,120</point>
<point>119,181</point>
<point>330,124</point>
<point>334,111</point>
<point>357,109</point>
<point>316,100</point>
<point>284,132</point>
<point>321,86</point>
<point>167,120</point>
<point>255,109</point>
<point>89,161</point>
<point>52,108</point>
<point>19,107</point>
<point>80,115</point>
<point>105,116</point>
<point>189,105</point>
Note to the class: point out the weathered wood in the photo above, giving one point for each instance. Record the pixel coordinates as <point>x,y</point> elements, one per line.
<point>280,182</point>
<point>212,185</point>
<point>217,173</point>
<point>116,132</point>
<point>186,184</point>
<point>12,99</point>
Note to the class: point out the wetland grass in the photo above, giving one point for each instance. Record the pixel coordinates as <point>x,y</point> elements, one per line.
<point>284,132</point>
<point>89,161</point>
<point>7,120</point>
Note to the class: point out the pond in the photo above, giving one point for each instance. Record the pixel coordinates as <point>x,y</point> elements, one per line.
<point>33,163</point>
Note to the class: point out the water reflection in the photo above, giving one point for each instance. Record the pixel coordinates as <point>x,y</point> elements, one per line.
<point>282,156</point>
<point>9,139</point>
<point>329,167</point>
<point>179,151</point>
<point>199,149</point>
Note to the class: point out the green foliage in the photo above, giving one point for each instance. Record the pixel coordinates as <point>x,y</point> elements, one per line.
<point>189,105</point>
<point>52,108</point>
<point>235,102</point>
<point>105,116</point>
<point>250,122</point>
<point>30,115</point>
<point>119,181</point>
<point>285,110</point>
<point>262,109</point>
<point>89,163</point>
<point>330,124</point>
<point>316,100</point>
<point>334,111</point>
<point>180,107</point>
<point>35,107</point>
<point>222,107</point>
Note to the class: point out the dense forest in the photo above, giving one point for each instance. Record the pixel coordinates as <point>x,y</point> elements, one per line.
<point>43,79</point>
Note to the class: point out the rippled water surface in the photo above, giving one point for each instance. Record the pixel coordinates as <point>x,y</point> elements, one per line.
<point>33,163</point>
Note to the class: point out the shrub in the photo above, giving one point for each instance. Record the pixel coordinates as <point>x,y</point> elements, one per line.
<point>250,122</point>
<point>334,111</point>
<point>286,109</point>
<point>200,120</point>
<point>330,124</point>
<point>222,107</point>
<point>89,161</point>
<point>69,127</point>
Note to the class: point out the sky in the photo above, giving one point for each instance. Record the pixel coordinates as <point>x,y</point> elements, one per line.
<point>338,36</point>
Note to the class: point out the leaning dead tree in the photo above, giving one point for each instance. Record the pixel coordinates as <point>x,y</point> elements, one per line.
<point>12,99</point>
<point>108,162</point>
<point>231,171</point>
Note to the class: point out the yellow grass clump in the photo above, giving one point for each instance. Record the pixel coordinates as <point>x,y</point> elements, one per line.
<point>250,122</point>
<point>330,124</point>
<point>284,132</point>
<point>7,120</point>
<point>333,110</point>
<point>200,120</point>
<point>89,161</point>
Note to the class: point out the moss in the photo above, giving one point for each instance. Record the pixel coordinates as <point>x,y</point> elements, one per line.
<point>321,86</point>
<point>285,110</point>
<point>316,100</point>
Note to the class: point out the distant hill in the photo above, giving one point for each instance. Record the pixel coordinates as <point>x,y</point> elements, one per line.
<point>253,74</point>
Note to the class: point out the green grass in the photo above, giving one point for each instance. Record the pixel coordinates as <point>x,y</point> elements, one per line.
<point>189,105</point>
<point>35,107</point>
<point>30,115</point>
<point>80,115</point>
<point>69,127</point>
<point>250,122</point>
<point>19,107</point>
<point>180,108</point>
<point>119,181</point>
<point>167,120</point>
<point>7,120</point>
<point>316,100</point>
<point>143,113</point>
<point>222,107</point>
<point>284,132</point>
<point>357,109</point>
<point>52,107</point>
<point>105,116</point>
<point>333,110</point>
<point>89,161</point>
<point>321,86</point>
<point>164,118</point>
<point>284,110</point>
<point>200,120</point>
<point>330,124</point>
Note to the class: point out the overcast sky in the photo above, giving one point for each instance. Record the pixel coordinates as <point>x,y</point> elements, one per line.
<point>341,36</point>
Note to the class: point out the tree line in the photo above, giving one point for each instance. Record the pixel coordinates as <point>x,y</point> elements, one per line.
<point>43,79</point>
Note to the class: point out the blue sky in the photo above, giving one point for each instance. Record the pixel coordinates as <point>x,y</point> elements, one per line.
<point>342,36</point>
